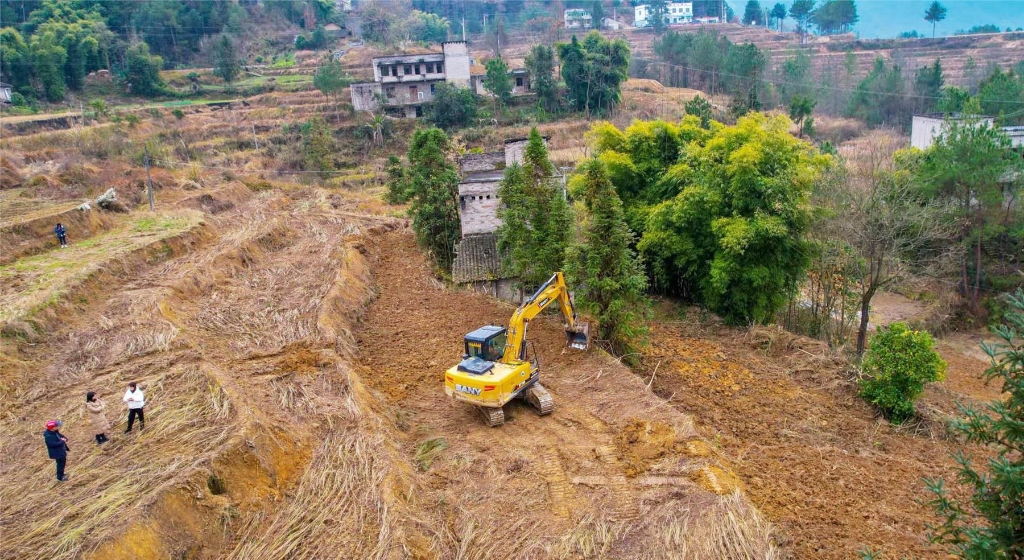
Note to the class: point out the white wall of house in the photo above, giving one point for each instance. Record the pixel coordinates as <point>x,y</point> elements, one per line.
<point>478,207</point>
<point>925,128</point>
<point>456,60</point>
<point>675,13</point>
<point>578,18</point>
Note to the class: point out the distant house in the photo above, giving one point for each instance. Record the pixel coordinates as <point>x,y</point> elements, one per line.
<point>925,128</point>
<point>520,80</point>
<point>676,13</point>
<point>335,30</point>
<point>477,261</point>
<point>578,18</point>
<point>402,84</point>
<point>5,93</point>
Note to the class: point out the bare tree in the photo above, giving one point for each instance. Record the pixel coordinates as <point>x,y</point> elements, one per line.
<point>889,222</point>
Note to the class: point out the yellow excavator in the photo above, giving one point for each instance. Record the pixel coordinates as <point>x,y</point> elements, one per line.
<point>497,365</point>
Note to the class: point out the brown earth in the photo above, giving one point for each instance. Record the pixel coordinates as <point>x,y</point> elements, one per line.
<point>814,457</point>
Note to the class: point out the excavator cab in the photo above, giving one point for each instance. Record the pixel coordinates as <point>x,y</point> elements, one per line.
<point>486,343</point>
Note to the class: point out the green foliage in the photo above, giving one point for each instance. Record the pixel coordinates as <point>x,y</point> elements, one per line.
<point>330,78</point>
<point>497,81</point>
<point>880,98</point>
<point>700,108</point>
<point>452,106</point>
<point>431,27</point>
<point>986,28</point>
<point>778,14</point>
<point>752,13</point>
<point>536,218</point>
<point>608,275</point>
<point>991,523</point>
<point>178,114</point>
<point>733,238</point>
<point>317,146</point>
<point>399,191</point>
<point>433,182</point>
<point>934,14</point>
<point>897,365</point>
<point>593,72</point>
<point>800,108</point>
<point>708,60</point>
<point>225,58</point>
<point>801,11</point>
<point>657,9</point>
<point>142,74</point>
<point>965,166</point>
<point>1002,95</point>
<point>928,87</point>
<point>835,16</point>
<point>540,62</point>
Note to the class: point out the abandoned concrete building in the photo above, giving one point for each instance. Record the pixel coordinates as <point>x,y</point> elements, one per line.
<point>403,84</point>
<point>477,261</point>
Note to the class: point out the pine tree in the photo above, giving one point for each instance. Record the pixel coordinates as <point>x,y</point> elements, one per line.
<point>991,523</point>
<point>434,184</point>
<point>934,14</point>
<point>605,271</point>
<point>536,218</point>
<point>226,60</point>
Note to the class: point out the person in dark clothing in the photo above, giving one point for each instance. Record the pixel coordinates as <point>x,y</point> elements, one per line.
<point>57,446</point>
<point>62,234</point>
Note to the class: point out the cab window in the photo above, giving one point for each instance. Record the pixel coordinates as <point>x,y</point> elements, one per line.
<point>496,347</point>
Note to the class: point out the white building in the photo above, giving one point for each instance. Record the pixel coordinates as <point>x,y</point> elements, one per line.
<point>404,83</point>
<point>926,128</point>
<point>577,18</point>
<point>676,13</point>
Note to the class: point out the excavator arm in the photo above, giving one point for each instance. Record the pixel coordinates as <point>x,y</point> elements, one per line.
<point>553,290</point>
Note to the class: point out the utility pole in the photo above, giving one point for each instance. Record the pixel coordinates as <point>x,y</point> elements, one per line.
<point>463,28</point>
<point>254,140</point>
<point>149,179</point>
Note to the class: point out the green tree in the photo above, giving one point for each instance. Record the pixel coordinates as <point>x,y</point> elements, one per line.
<point>434,185</point>
<point>498,82</point>
<point>540,62</point>
<point>225,60</point>
<point>593,71</point>
<point>934,14</point>
<point>317,146</point>
<point>801,11</point>
<point>16,59</point>
<point>880,98</point>
<point>608,275</point>
<point>399,191</point>
<point>656,15</point>
<point>452,106</point>
<point>779,14</point>
<point>1002,95</point>
<point>965,166</point>
<point>330,78</point>
<point>536,218</point>
<point>733,238</point>
<point>700,108</point>
<point>801,108</point>
<point>48,58</point>
<point>142,74</point>
<point>835,16</point>
<point>897,365</point>
<point>928,87</point>
<point>752,13</point>
<point>991,522</point>
<point>433,28</point>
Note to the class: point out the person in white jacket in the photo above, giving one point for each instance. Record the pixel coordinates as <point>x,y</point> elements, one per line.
<point>135,400</point>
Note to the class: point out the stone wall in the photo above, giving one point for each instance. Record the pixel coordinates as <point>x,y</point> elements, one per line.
<point>478,207</point>
<point>364,96</point>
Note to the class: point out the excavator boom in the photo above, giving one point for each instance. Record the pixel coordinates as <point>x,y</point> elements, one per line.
<point>577,334</point>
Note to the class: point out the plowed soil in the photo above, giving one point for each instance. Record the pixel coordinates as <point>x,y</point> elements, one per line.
<point>814,457</point>
<point>610,472</point>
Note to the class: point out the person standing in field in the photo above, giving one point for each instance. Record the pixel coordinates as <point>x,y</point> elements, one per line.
<point>96,417</point>
<point>57,446</point>
<point>135,400</point>
<point>62,234</point>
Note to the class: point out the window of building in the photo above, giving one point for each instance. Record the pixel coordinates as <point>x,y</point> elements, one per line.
<point>440,67</point>
<point>408,69</point>
<point>394,70</point>
<point>431,88</point>
<point>430,68</point>
<point>390,92</point>
<point>519,82</point>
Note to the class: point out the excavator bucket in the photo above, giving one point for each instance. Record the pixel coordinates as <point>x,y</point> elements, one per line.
<point>579,339</point>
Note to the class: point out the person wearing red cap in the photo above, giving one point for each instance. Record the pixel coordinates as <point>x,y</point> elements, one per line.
<point>57,446</point>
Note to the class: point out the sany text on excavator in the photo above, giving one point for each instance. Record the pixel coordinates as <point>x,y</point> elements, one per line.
<point>497,366</point>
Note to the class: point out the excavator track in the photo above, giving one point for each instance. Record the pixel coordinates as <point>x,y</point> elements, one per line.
<point>495,416</point>
<point>541,399</point>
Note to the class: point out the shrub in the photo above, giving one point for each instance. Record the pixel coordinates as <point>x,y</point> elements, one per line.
<point>898,364</point>
<point>178,114</point>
